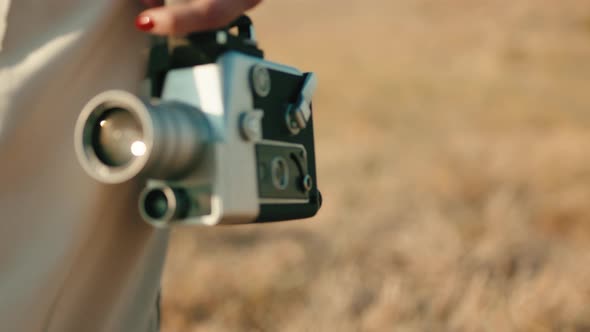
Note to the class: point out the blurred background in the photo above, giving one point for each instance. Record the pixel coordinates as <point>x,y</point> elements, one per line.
<point>453,142</point>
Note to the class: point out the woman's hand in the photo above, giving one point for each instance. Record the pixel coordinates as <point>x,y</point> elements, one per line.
<point>190,16</point>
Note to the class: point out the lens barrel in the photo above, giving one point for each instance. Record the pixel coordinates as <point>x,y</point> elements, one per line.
<point>120,136</point>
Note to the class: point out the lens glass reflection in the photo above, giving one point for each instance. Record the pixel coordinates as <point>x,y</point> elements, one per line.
<point>156,204</point>
<point>118,137</point>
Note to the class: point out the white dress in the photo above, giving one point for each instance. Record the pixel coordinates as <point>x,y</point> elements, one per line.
<point>74,254</point>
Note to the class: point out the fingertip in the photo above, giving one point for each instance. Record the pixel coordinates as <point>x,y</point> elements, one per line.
<point>155,21</point>
<point>172,20</point>
<point>144,22</point>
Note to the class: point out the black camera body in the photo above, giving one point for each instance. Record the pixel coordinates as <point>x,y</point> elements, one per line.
<point>226,137</point>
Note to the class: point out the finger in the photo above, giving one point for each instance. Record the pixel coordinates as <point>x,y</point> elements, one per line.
<point>192,17</point>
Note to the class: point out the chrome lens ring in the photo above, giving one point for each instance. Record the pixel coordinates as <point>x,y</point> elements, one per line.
<point>87,123</point>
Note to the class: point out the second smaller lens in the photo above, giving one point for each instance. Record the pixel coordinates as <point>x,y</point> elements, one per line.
<point>164,204</point>
<point>156,204</point>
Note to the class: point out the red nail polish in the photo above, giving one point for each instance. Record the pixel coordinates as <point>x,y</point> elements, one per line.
<point>144,23</point>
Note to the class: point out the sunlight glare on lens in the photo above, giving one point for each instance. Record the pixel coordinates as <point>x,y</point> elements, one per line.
<point>138,148</point>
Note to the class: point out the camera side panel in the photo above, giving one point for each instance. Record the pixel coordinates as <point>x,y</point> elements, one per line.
<point>277,205</point>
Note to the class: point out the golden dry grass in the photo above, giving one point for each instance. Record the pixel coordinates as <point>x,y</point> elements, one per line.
<point>453,140</point>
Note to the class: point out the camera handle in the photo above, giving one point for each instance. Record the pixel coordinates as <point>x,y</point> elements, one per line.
<point>198,49</point>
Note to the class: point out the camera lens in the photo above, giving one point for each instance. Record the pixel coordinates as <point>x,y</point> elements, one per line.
<point>118,137</point>
<point>156,204</point>
<point>163,204</point>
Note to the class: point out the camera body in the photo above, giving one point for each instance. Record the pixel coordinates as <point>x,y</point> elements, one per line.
<point>226,137</point>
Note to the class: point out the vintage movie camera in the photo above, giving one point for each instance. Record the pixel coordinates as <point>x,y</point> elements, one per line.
<point>226,136</point>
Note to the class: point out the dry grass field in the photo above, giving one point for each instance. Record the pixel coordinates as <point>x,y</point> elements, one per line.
<point>453,140</point>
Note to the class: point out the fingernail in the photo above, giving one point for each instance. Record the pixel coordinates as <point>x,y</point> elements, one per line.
<point>144,23</point>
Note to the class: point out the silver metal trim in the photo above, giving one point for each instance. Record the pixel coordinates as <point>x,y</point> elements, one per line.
<point>276,201</point>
